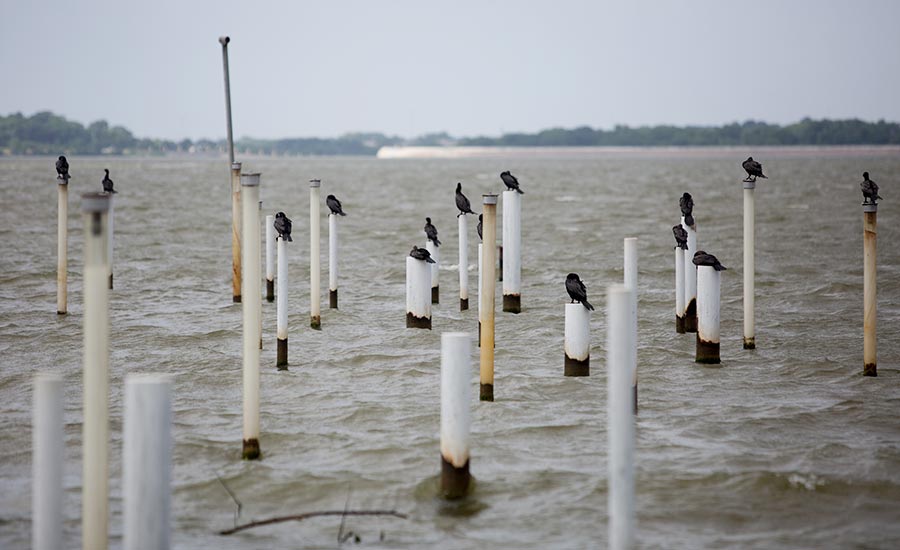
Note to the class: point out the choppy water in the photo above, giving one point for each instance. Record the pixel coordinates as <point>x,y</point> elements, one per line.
<point>783,447</point>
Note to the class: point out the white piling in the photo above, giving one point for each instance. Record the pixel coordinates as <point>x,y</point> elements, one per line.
<point>486,297</point>
<point>259,263</point>
<point>690,278</point>
<point>270,258</point>
<point>870,306</point>
<point>512,251</point>
<point>418,295</point>
<point>147,462</point>
<point>315,316</point>
<point>463,263</point>
<point>110,241</point>
<point>332,261</point>
<point>282,306</point>
<point>620,360</point>
<point>62,247</point>
<point>480,270</point>
<point>434,284</point>
<point>236,213</point>
<point>577,341</point>
<point>631,277</point>
<point>95,429</point>
<point>456,349</point>
<point>47,453</point>
<point>250,306</point>
<point>749,264</point>
<point>708,288</point>
<point>679,290</point>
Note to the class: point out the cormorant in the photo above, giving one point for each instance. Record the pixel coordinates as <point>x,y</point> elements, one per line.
<point>753,168</point>
<point>462,202</point>
<point>686,202</point>
<point>283,226</point>
<point>702,258</point>
<point>478,227</point>
<point>869,190</point>
<point>681,237</point>
<point>334,205</point>
<point>62,168</point>
<point>421,254</point>
<point>431,232</point>
<point>108,183</point>
<point>576,290</point>
<point>511,181</point>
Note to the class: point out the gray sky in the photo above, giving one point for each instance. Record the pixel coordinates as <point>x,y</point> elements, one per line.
<point>323,68</point>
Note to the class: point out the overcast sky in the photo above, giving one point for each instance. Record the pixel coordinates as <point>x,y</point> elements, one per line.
<point>324,68</point>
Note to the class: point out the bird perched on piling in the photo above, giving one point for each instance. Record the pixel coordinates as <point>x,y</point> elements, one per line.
<point>511,182</point>
<point>753,168</point>
<point>334,205</point>
<point>421,254</point>
<point>62,168</point>
<point>686,202</point>
<point>869,190</point>
<point>431,232</point>
<point>680,236</point>
<point>283,226</point>
<point>577,291</point>
<point>702,258</point>
<point>108,183</point>
<point>462,202</point>
<point>478,227</point>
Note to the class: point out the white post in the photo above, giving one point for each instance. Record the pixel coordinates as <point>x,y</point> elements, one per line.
<point>250,306</point>
<point>690,278</point>
<point>47,453</point>
<point>455,418</point>
<point>620,360</point>
<point>315,316</point>
<point>480,270</point>
<point>62,247</point>
<point>147,462</point>
<point>708,287</point>
<point>577,341</point>
<point>110,242</point>
<point>463,263</point>
<point>282,306</point>
<point>512,251</point>
<point>486,297</point>
<point>679,290</point>
<point>434,285</point>
<point>95,437</point>
<point>259,261</point>
<point>270,258</point>
<point>631,277</point>
<point>418,299</point>
<point>870,305</point>
<point>332,261</point>
<point>236,229</point>
<point>749,264</point>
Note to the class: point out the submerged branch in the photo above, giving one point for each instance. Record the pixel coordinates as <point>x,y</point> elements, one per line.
<point>301,517</point>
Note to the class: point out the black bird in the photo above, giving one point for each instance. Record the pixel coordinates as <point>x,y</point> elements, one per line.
<point>686,202</point>
<point>462,202</point>
<point>431,232</point>
<point>702,258</point>
<point>680,237</point>
<point>108,183</point>
<point>335,205</point>
<point>869,190</point>
<point>62,168</point>
<point>478,227</point>
<point>576,290</point>
<point>511,181</point>
<point>421,254</point>
<point>753,168</point>
<point>283,226</point>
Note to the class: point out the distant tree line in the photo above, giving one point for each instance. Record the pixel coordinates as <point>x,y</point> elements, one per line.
<point>45,133</point>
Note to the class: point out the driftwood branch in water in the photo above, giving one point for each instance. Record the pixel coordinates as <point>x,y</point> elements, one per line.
<point>301,517</point>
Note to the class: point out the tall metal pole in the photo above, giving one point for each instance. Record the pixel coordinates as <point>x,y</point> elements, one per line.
<point>749,264</point>
<point>224,40</point>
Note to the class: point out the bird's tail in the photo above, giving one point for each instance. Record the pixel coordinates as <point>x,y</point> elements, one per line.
<point>587,304</point>
<point>520,191</point>
<point>430,260</point>
<point>437,242</point>
<point>763,176</point>
<point>288,238</point>
<point>341,213</point>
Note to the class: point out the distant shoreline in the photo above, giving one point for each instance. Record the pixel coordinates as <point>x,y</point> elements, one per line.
<point>454,152</point>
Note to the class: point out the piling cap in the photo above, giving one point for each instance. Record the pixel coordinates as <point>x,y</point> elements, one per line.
<point>869,207</point>
<point>315,183</point>
<point>250,180</point>
<point>235,165</point>
<point>95,202</point>
<point>224,40</point>
<point>749,185</point>
<point>489,199</point>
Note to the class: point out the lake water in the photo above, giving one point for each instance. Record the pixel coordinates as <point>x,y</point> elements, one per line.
<point>787,446</point>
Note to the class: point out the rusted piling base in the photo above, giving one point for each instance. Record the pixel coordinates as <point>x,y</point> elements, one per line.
<point>512,303</point>
<point>707,352</point>
<point>750,343</point>
<point>110,281</point>
<point>463,304</point>
<point>282,354</point>
<point>455,482</point>
<point>690,316</point>
<point>315,321</point>
<point>417,322</point>
<point>332,299</point>
<point>270,290</point>
<point>251,449</point>
<point>679,324</point>
<point>574,367</point>
<point>236,298</point>
<point>487,392</point>
<point>435,294</point>
<point>870,369</point>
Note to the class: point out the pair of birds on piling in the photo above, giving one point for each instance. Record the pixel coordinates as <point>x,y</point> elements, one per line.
<point>701,257</point>
<point>283,224</point>
<point>62,172</point>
